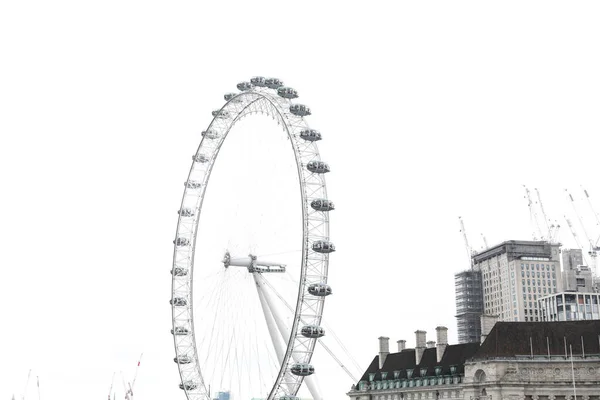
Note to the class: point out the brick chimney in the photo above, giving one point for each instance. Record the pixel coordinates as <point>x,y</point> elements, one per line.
<point>442,341</point>
<point>421,345</point>
<point>430,344</point>
<point>401,345</point>
<point>384,349</point>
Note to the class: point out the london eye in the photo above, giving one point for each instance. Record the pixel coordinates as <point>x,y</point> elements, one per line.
<point>245,321</point>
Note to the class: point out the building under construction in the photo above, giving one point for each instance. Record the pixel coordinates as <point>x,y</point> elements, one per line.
<point>469,305</point>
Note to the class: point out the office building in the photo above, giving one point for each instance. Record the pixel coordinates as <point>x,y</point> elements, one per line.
<point>515,274</point>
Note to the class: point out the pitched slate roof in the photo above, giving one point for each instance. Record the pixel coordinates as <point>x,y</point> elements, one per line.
<point>510,339</point>
<point>455,355</point>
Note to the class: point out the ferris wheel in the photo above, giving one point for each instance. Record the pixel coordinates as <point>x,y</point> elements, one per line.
<point>242,323</point>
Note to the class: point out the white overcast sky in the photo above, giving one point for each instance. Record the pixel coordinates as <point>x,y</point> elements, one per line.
<point>429,110</point>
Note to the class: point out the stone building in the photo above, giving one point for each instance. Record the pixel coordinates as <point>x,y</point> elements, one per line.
<point>516,361</point>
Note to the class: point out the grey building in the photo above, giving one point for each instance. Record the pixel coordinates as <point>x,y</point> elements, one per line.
<point>577,277</point>
<point>515,274</point>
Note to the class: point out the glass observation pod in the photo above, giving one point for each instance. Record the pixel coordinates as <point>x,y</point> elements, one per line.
<point>300,110</point>
<point>211,134</point>
<point>178,301</point>
<point>201,158</point>
<point>231,97</point>
<point>302,369</point>
<point>258,81</point>
<point>243,86</point>
<point>323,246</point>
<point>288,398</point>
<point>322,205</point>
<point>287,92</point>
<point>273,83</point>
<point>178,271</point>
<point>222,114</point>
<point>180,330</point>
<point>188,385</point>
<point>312,331</point>
<point>181,241</point>
<point>192,184</point>
<point>319,289</point>
<point>187,212</point>
<point>311,135</point>
<point>318,167</point>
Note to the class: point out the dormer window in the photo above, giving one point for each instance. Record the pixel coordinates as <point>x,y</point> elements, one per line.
<point>396,374</point>
<point>409,373</point>
<point>384,375</point>
<point>423,371</point>
<point>371,376</point>
<point>438,370</point>
<point>453,369</point>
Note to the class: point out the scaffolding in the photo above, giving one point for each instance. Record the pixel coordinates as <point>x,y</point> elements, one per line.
<point>469,305</point>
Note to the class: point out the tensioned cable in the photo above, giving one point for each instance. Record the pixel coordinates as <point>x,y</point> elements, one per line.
<point>318,340</point>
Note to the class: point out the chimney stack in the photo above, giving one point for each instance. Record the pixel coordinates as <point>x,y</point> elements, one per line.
<point>421,345</point>
<point>384,349</point>
<point>430,344</point>
<point>442,341</point>
<point>401,345</point>
<point>487,323</point>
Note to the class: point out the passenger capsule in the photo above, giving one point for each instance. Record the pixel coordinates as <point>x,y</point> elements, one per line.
<point>310,135</point>
<point>318,167</point>
<point>287,92</point>
<point>323,246</point>
<point>319,289</point>
<point>192,184</point>
<point>188,385</point>
<point>181,241</point>
<point>180,331</point>
<point>288,398</point>
<point>273,83</point>
<point>231,97</point>
<point>300,110</point>
<point>211,134</point>
<point>322,205</point>
<point>186,212</point>
<point>179,302</point>
<point>201,158</point>
<point>302,369</point>
<point>178,271</point>
<point>221,114</point>
<point>244,86</point>
<point>312,331</point>
<point>258,81</point>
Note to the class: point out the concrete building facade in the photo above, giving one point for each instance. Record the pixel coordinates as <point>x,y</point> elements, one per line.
<point>515,274</point>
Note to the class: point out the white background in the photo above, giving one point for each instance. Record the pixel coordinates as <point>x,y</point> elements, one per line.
<point>430,110</point>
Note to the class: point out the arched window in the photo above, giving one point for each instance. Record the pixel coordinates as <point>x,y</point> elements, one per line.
<point>479,376</point>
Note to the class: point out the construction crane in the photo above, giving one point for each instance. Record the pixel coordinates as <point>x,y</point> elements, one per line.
<point>467,247</point>
<point>130,385</point>
<point>26,385</point>
<point>537,232</point>
<point>111,386</point>
<point>575,237</point>
<point>543,213</point>
<point>587,197</point>
<point>485,243</point>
